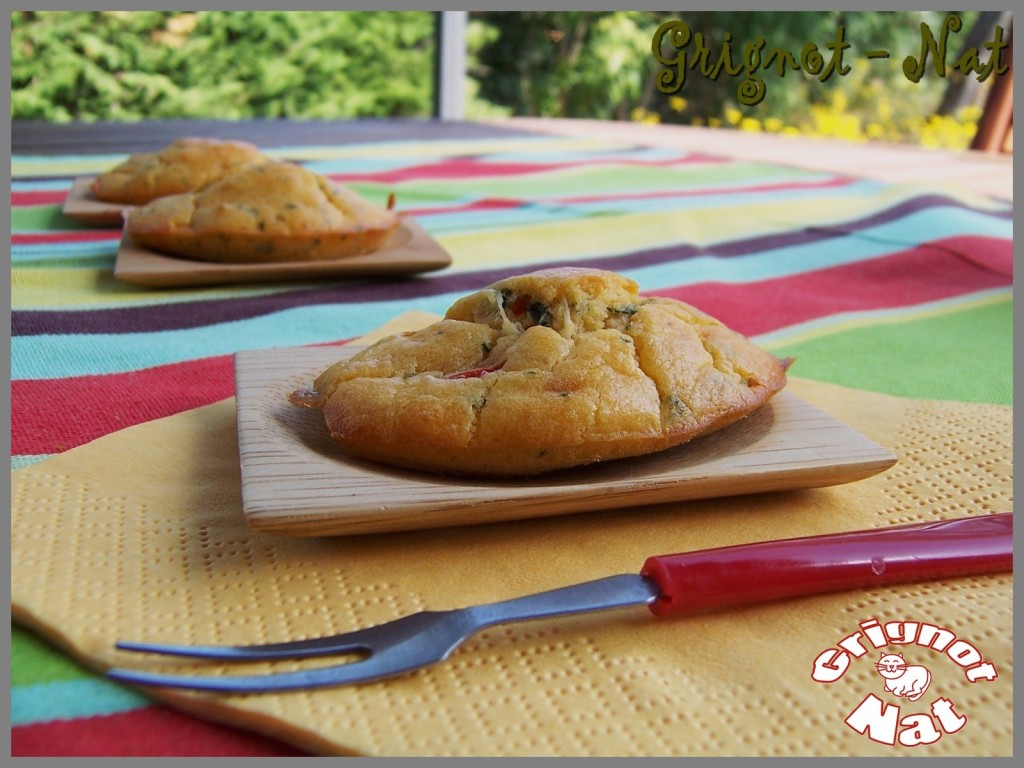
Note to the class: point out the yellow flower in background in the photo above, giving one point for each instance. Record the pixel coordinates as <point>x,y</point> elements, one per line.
<point>970,114</point>
<point>947,132</point>
<point>641,115</point>
<point>829,121</point>
<point>833,119</point>
<point>677,103</point>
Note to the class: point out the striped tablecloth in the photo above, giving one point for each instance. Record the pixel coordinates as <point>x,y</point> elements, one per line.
<point>900,289</point>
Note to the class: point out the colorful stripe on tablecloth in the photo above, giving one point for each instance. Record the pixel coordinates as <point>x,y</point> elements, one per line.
<point>854,278</point>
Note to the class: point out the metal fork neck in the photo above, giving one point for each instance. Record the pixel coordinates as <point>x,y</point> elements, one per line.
<point>602,594</point>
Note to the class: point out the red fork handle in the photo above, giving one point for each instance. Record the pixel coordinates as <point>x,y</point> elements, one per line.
<point>710,579</point>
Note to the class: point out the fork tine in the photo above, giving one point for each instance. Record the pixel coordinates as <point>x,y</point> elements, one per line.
<point>341,674</point>
<point>367,640</point>
<point>321,646</point>
<point>392,649</point>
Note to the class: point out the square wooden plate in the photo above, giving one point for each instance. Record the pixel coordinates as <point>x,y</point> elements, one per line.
<point>297,481</point>
<point>409,250</point>
<point>80,205</point>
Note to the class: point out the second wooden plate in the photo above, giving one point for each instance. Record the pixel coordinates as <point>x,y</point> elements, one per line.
<point>409,250</point>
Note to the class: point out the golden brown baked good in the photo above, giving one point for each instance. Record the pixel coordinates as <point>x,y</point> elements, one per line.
<point>553,369</point>
<point>266,212</point>
<point>183,165</point>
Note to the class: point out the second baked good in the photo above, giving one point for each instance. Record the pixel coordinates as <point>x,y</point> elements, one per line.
<point>267,212</point>
<point>183,165</point>
<point>552,369</point>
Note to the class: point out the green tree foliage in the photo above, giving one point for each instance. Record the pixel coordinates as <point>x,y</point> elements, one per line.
<point>565,64</point>
<point>129,65</point>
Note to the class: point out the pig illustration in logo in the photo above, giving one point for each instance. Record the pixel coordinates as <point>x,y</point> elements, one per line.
<point>902,679</point>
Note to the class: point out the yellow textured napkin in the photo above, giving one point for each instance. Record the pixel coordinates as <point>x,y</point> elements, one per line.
<point>140,535</point>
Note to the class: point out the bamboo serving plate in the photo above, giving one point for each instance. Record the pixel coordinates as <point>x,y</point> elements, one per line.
<point>82,206</point>
<point>409,250</point>
<point>296,481</point>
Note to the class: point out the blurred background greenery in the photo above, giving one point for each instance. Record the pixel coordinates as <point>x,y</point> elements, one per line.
<point>132,65</point>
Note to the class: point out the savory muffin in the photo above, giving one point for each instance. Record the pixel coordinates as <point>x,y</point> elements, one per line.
<point>266,212</point>
<point>553,369</point>
<point>183,165</point>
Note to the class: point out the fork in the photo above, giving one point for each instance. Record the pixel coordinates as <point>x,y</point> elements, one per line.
<point>685,583</point>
